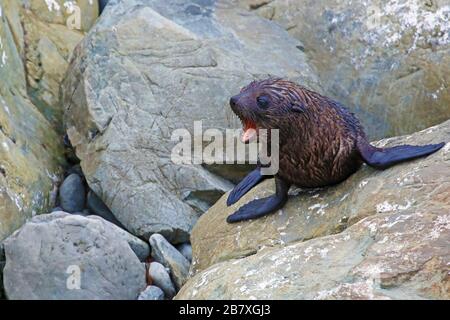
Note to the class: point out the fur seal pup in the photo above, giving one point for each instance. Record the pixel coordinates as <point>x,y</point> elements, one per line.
<point>321,142</point>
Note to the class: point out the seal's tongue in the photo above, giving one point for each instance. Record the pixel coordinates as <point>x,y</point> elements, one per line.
<point>249,132</point>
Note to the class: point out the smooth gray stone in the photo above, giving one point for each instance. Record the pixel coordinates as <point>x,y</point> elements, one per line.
<point>161,278</point>
<point>166,254</point>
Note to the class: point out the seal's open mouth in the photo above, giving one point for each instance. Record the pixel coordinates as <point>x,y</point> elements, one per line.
<point>250,131</point>
<point>249,126</point>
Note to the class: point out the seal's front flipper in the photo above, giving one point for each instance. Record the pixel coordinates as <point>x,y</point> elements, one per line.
<point>251,180</point>
<point>386,157</point>
<point>261,207</point>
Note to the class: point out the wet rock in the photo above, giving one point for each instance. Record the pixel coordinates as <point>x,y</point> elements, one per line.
<point>166,254</point>
<point>151,293</point>
<point>64,256</point>
<point>72,194</point>
<point>161,278</point>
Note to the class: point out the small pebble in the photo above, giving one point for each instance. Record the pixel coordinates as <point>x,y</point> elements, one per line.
<point>161,278</point>
<point>151,293</point>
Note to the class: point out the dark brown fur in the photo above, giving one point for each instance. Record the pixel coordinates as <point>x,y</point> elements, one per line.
<point>318,136</point>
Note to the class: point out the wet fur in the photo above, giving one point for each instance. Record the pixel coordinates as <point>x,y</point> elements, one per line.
<point>321,142</point>
<point>318,136</point>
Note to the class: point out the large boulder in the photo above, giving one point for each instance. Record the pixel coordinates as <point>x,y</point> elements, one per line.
<point>148,68</point>
<point>31,153</point>
<point>379,234</point>
<point>64,256</point>
<point>46,33</point>
<point>388,60</point>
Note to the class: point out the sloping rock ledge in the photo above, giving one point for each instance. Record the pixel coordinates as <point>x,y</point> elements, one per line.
<point>379,235</point>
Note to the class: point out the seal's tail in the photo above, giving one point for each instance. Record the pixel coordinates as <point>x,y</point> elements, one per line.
<point>386,157</point>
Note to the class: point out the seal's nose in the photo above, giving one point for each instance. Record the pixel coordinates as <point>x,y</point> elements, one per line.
<point>233,101</point>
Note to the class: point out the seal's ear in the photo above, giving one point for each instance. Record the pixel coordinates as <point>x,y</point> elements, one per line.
<point>298,107</point>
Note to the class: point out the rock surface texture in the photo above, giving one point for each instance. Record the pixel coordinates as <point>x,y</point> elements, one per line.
<point>35,46</point>
<point>72,194</point>
<point>64,256</point>
<point>2,265</point>
<point>388,60</point>
<point>379,235</point>
<point>148,68</point>
<point>151,293</point>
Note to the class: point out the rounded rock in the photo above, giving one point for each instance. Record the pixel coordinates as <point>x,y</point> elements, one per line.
<point>186,250</point>
<point>72,194</point>
<point>151,293</point>
<point>166,254</point>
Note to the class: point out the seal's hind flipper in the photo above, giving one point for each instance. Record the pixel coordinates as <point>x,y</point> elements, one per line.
<point>261,207</point>
<point>251,180</point>
<point>386,157</point>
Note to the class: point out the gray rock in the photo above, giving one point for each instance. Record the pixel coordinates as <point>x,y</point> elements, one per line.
<point>377,235</point>
<point>386,60</point>
<point>2,265</point>
<point>186,250</point>
<point>72,194</point>
<point>151,293</point>
<point>99,208</point>
<point>81,213</point>
<point>64,256</point>
<point>148,68</point>
<point>57,209</point>
<point>139,247</point>
<point>166,254</point>
<point>161,278</point>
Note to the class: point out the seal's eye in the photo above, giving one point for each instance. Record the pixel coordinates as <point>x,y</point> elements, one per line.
<point>263,102</point>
